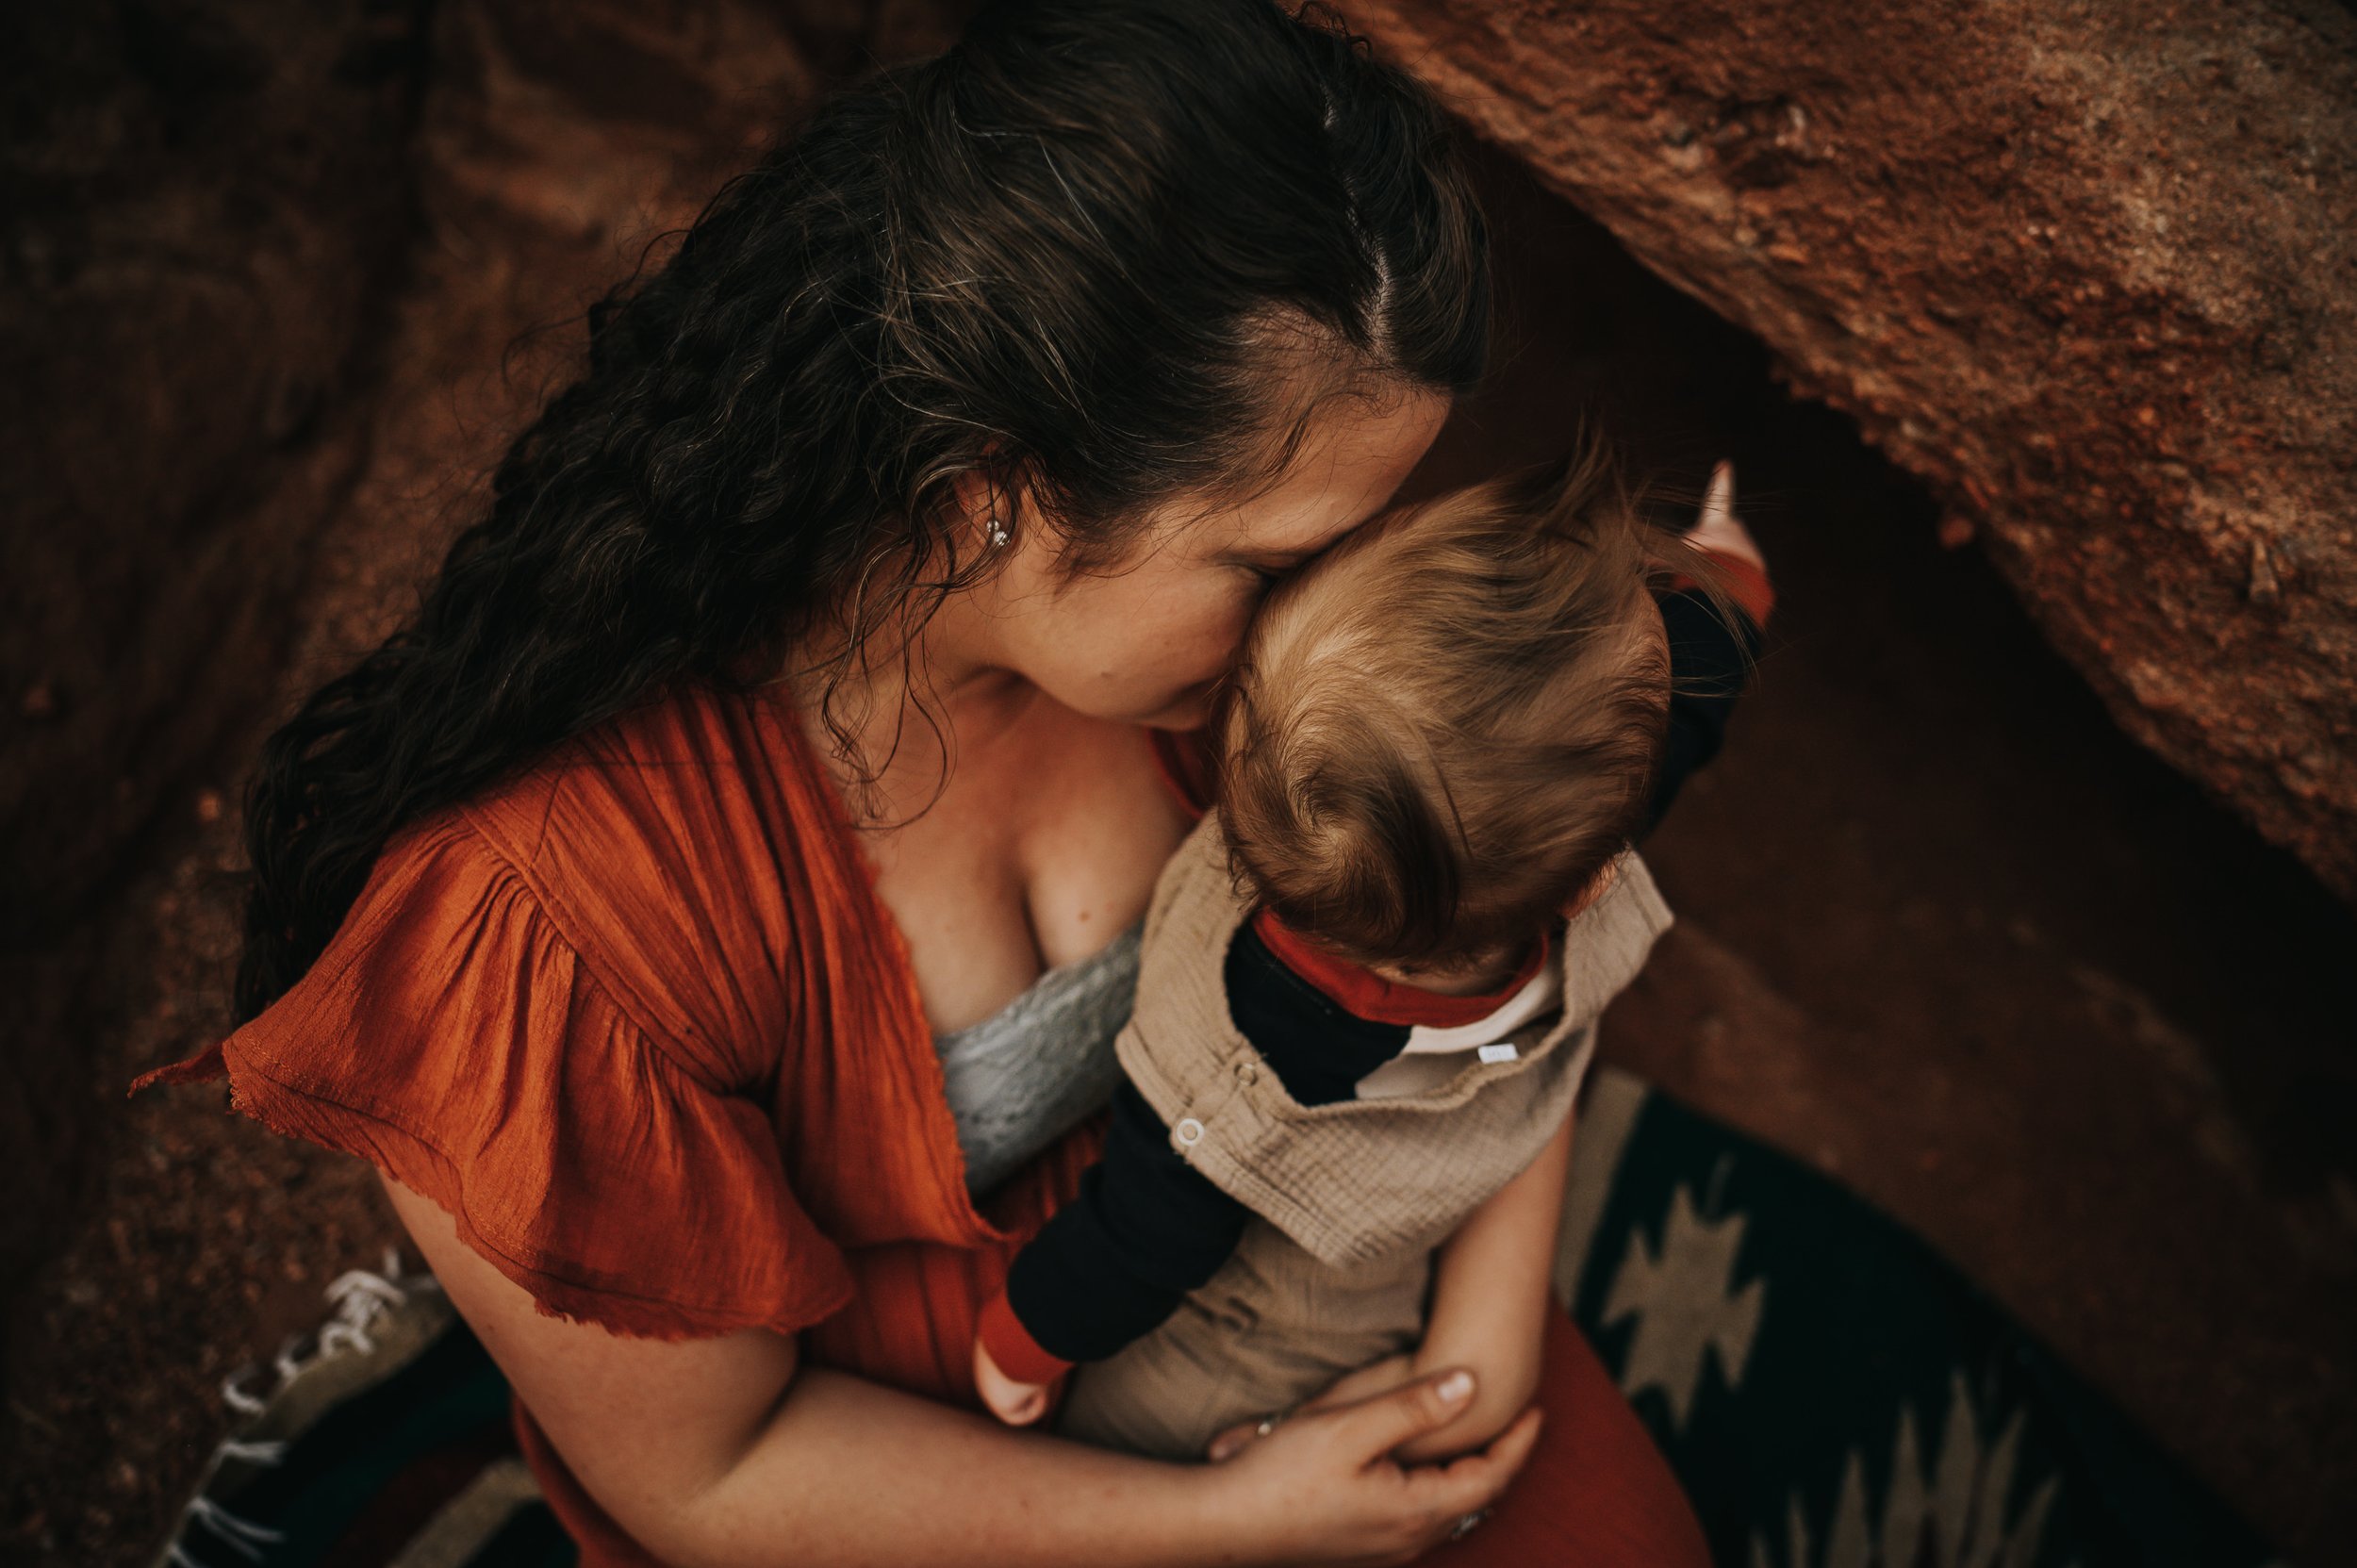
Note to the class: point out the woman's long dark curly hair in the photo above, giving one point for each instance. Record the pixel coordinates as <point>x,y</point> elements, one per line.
<point>1060,250</point>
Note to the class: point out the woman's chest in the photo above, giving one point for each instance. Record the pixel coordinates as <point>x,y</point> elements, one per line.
<point>1041,847</point>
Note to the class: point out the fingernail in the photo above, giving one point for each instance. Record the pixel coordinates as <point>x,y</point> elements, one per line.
<point>1455,1385</point>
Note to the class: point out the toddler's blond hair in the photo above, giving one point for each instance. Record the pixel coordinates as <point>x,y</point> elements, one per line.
<point>1445,729</point>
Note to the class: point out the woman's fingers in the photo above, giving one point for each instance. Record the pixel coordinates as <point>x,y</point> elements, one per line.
<point>1377,1425</point>
<point>1377,1377</point>
<point>1230,1443</point>
<point>1479,1479</point>
<point>1324,1490</point>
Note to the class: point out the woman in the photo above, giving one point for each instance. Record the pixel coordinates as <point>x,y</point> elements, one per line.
<point>792,715</point>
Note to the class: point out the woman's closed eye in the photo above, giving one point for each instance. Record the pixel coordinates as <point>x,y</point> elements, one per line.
<point>1271,571</point>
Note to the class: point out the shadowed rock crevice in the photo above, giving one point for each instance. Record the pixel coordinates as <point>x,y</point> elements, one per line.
<point>207,219</point>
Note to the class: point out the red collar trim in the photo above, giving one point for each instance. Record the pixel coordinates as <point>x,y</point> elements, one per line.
<point>1365,993</point>
<point>1746,583</point>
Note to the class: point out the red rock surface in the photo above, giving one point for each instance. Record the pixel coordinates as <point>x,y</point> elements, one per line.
<point>2089,271</point>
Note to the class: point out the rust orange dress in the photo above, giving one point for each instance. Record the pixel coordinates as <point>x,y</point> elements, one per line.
<point>639,1021</point>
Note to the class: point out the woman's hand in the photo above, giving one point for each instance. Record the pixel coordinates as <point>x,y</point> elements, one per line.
<point>1373,1379</point>
<point>1323,1487</point>
<point>1017,1404</point>
<point>1508,1384</point>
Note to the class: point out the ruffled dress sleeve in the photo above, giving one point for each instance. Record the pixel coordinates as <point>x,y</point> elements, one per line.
<point>452,1037</point>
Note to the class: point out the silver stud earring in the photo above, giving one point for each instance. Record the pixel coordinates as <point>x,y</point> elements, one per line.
<point>997,531</point>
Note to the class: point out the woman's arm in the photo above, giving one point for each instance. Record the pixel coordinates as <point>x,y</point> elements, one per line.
<point>720,1452</point>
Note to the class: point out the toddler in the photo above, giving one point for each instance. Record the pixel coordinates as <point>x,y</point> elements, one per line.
<point>1370,976</point>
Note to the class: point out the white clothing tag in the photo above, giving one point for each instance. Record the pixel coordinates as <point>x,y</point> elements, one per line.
<point>1503,1051</point>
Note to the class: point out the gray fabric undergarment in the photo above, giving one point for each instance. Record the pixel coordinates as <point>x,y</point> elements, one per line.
<point>1022,1077</point>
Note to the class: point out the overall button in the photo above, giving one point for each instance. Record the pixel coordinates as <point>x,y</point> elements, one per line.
<point>1247,1073</point>
<point>1190,1131</point>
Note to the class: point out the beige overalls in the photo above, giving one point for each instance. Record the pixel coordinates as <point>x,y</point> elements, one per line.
<point>1349,1199</point>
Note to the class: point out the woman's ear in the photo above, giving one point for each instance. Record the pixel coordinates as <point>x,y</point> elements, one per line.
<point>994,503</point>
<point>980,499</point>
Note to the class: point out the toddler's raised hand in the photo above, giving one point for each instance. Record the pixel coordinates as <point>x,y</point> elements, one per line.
<point>1718,529</point>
